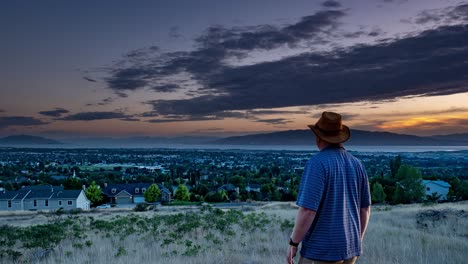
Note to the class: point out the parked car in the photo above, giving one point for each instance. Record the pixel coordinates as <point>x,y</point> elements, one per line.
<point>103,206</point>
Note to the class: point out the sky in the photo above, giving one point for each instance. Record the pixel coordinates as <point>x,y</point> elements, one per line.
<point>224,68</point>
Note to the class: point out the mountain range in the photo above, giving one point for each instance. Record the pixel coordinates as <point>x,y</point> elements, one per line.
<point>358,138</point>
<point>27,140</point>
<point>289,137</point>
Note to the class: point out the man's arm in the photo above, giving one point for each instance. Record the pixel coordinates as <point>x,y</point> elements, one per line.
<point>304,219</point>
<point>364,215</point>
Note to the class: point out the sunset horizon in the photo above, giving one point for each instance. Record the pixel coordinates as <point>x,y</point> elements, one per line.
<point>220,69</point>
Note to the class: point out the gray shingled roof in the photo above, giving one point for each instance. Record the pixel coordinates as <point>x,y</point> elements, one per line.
<point>130,188</point>
<point>66,194</point>
<point>40,192</point>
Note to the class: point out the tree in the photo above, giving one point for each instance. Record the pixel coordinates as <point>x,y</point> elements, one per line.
<point>94,194</point>
<point>182,193</point>
<point>395,165</point>
<point>72,184</point>
<point>152,193</point>
<point>434,197</point>
<point>409,187</point>
<point>378,194</point>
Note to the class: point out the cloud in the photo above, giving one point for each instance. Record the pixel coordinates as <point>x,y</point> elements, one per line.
<point>214,116</point>
<point>331,4</point>
<point>166,88</point>
<point>275,121</point>
<point>8,121</point>
<point>383,71</point>
<point>106,101</point>
<point>89,79</point>
<point>152,69</point>
<point>274,112</point>
<point>57,112</point>
<point>2,111</point>
<point>428,63</point>
<point>148,114</point>
<point>130,119</point>
<point>448,15</point>
<point>90,116</point>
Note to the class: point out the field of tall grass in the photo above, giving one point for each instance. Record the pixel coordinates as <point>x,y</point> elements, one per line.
<point>396,234</point>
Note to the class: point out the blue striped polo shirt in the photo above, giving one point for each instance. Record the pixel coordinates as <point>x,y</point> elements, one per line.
<point>335,185</point>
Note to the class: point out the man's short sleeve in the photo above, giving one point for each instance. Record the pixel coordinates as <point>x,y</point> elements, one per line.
<point>312,186</point>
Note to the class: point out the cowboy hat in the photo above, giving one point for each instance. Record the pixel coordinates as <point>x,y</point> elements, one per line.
<point>330,129</point>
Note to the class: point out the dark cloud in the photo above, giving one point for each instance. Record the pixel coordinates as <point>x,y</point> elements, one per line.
<point>151,69</point>
<point>106,101</point>
<point>90,116</point>
<point>89,79</point>
<point>130,119</point>
<point>185,119</point>
<point>57,112</point>
<point>430,63</point>
<point>331,3</point>
<point>274,112</point>
<point>457,14</point>
<point>214,116</point>
<point>268,37</point>
<point>166,88</point>
<point>275,121</point>
<point>8,121</point>
<point>2,111</point>
<point>148,114</point>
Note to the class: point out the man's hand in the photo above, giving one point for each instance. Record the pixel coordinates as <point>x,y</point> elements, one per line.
<point>291,254</point>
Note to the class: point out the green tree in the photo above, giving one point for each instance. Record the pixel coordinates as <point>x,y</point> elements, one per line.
<point>462,190</point>
<point>409,187</point>
<point>434,197</point>
<point>152,193</point>
<point>94,194</point>
<point>72,184</point>
<point>378,195</point>
<point>182,193</point>
<point>395,165</point>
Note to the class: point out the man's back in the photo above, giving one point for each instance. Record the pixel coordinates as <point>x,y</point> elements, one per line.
<point>335,185</point>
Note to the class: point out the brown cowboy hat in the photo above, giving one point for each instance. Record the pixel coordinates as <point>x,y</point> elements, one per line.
<point>330,129</point>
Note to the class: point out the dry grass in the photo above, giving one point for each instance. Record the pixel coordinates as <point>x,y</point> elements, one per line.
<point>396,234</point>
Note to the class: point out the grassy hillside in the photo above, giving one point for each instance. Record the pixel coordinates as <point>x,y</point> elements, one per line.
<point>398,234</point>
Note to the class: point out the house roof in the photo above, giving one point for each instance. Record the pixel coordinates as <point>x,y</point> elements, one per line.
<point>40,192</point>
<point>42,188</point>
<point>66,194</point>
<point>227,187</point>
<point>438,182</point>
<point>13,195</point>
<point>129,188</point>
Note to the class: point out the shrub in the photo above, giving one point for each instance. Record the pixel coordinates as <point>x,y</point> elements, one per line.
<point>141,207</point>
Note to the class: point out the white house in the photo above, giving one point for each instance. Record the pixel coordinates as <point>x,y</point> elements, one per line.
<point>44,197</point>
<point>439,187</point>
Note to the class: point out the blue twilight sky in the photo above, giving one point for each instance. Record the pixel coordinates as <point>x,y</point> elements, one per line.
<point>169,68</point>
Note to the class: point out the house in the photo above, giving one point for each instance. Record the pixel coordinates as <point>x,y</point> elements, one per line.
<point>229,188</point>
<point>132,193</point>
<point>43,197</point>
<point>439,187</point>
<point>253,188</point>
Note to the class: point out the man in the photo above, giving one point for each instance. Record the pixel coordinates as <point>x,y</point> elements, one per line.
<point>333,200</point>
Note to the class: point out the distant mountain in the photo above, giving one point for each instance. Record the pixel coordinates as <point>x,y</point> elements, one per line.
<point>27,140</point>
<point>358,138</point>
<point>144,141</point>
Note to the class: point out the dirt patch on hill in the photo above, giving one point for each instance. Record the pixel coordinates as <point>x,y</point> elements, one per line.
<point>455,219</point>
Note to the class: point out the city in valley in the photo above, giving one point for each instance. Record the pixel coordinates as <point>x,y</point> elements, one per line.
<point>214,175</point>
